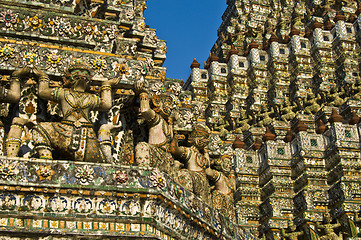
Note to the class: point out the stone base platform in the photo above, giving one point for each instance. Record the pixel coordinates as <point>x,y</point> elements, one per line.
<point>42,199</point>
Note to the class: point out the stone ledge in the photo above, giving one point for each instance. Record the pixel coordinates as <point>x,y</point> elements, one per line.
<point>65,197</point>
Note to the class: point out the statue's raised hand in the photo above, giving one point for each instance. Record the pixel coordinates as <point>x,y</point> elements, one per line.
<point>38,72</point>
<point>140,86</point>
<point>21,73</point>
<point>111,82</point>
<point>211,173</point>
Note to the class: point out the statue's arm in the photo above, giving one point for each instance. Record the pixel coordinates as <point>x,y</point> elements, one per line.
<point>181,153</point>
<point>213,174</point>
<point>106,95</point>
<point>13,95</point>
<point>338,224</point>
<point>148,113</point>
<point>272,110</point>
<point>105,99</point>
<point>45,91</point>
<point>144,101</point>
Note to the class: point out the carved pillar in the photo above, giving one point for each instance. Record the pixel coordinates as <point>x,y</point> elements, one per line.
<point>247,193</point>
<point>309,173</point>
<point>342,158</point>
<point>276,185</point>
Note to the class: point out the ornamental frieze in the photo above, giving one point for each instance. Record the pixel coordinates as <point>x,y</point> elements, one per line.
<point>54,60</point>
<point>92,33</point>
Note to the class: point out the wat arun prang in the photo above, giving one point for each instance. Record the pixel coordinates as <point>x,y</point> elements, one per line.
<point>262,143</point>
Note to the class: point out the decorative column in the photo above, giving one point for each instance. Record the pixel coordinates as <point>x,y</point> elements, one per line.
<point>276,185</point>
<point>308,172</point>
<point>343,163</point>
<point>247,194</point>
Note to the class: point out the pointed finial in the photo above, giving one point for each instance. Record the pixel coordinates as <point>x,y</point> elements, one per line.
<point>339,16</point>
<point>289,137</point>
<point>328,25</point>
<point>238,143</point>
<point>195,64</point>
<point>213,57</point>
<point>268,136</point>
<point>335,117</point>
<point>321,128</point>
<point>258,144</point>
<point>354,119</point>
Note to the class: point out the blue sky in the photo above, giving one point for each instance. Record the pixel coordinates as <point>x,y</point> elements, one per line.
<point>189,27</point>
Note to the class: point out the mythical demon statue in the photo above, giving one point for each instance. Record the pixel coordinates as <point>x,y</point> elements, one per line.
<point>224,184</point>
<point>196,160</point>
<point>291,234</point>
<point>74,135</point>
<point>155,152</point>
<point>328,228</point>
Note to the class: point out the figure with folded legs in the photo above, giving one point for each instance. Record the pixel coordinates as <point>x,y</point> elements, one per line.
<point>74,136</point>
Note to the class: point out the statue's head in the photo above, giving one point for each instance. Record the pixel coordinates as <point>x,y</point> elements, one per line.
<point>77,73</point>
<point>199,137</point>
<point>163,104</point>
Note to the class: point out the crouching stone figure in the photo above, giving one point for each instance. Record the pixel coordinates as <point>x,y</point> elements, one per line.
<point>74,136</point>
<point>154,153</point>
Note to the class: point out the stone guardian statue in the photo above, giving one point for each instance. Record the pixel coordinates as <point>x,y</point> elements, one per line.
<point>74,136</point>
<point>196,160</point>
<point>154,153</point>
